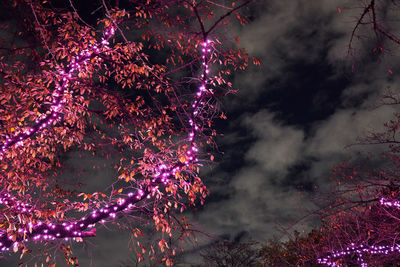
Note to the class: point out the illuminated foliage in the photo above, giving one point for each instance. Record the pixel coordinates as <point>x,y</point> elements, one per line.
<point>116,90</point>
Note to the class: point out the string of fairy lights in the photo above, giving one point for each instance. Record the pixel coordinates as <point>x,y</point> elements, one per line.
<point>360,250</point>
<point>84,226</point>
<point>51,117</point>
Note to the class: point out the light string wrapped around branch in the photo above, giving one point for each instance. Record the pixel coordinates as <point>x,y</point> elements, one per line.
<point>360,250</point>
<point>66,74</point>
<point>84,227</point>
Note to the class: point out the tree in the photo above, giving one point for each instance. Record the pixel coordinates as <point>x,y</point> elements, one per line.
<point>112,89</point>
<point>377,22</point>
<point>297,251</point>
<point>231,254</point>
<point>360,226</point>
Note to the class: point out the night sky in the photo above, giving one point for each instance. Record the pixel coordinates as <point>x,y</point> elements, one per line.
<point>287,127</point>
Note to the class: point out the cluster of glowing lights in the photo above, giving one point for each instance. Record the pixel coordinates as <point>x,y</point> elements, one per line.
<point>360,250</point>
<point>389,203</point>
<point>16,206</point>
<point>84,227</point>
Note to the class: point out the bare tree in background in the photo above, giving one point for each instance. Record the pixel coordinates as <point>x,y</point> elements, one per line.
<point>232,254</point>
